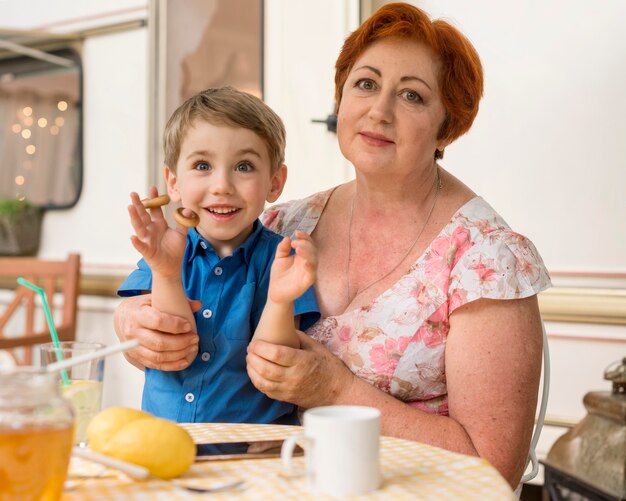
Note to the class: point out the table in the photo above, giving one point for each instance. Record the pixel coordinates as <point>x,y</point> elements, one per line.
<point>410,470</point>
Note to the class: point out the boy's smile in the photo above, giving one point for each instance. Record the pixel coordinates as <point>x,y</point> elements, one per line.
<point>223,174</point>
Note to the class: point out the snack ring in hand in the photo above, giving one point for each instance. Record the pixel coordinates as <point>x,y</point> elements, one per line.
<point>152,203</point>
<point>188,222</point>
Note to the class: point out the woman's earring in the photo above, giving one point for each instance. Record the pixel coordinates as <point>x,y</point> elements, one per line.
<point>438,154</point>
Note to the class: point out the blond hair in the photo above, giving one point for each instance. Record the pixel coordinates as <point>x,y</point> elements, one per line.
<point>226,106</point>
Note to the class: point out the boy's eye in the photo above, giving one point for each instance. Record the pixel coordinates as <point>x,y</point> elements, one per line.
<point>244,167</point>
<point>202,166</point>
<point>365,84</point>
<point>412,96</point>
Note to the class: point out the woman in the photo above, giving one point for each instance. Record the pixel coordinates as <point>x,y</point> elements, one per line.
<point>428,299</point>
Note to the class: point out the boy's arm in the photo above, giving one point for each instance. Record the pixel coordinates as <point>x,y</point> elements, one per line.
<point>290,277</point>
<point>168,296</point>
<point>163,249</point>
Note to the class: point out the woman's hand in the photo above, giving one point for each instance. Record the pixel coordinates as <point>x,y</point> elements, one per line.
<point>308,377</point>
<point>167,341</point>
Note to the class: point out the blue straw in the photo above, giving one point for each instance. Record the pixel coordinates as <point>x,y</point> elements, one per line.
<point>53,330</point>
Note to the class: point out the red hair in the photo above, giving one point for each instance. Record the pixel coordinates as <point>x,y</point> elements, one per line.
<point>460,74</point>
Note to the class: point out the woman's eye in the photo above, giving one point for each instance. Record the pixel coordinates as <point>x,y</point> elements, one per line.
<point>202,166</point>
<point>365,84</point>
<point>244,167</point>
<point>412,96</point>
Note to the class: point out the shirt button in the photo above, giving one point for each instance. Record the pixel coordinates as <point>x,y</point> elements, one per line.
<point>207,313</point>
<point>203,245</point>
<point>217,271</point>
<point>205,357</point>
<point>189,397</point>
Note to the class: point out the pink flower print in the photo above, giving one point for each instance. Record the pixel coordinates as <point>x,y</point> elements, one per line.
<point>445,251</point>
<point>384,357</point>
<point>420,294</point>
<point>434,331</point>
<point>345,334</point>
<point>381,381</point>
<point>457,298</point>
<point>483,226</point>
<point>323,330</point>
<point>432,373</point>
<point>525,267</point>
<point>531,271</point>
<point>369,334</point>
<point>267,218</point>
<point>484,273</point>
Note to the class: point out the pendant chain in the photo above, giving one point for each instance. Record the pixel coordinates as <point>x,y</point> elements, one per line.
<point>360,291</point>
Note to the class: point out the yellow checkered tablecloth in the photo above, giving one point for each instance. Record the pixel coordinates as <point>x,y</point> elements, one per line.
<point>410,471</point>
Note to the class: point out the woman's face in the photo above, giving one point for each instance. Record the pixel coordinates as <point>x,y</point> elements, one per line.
<point>391,110</point>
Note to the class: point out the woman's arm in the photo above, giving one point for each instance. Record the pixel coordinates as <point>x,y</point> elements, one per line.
<point>167,342</point>
<point>493,364</point>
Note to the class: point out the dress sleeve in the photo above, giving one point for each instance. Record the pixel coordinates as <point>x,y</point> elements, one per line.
<point>503,265</point>
<point>274,218</point>
<point>137,282</point>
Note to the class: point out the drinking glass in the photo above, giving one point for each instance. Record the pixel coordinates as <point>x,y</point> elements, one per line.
<point>84,390</point>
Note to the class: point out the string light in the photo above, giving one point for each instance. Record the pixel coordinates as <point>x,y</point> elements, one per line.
<point>62,105</point>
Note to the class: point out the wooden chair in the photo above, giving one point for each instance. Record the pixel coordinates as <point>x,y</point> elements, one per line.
<point>61,276</point>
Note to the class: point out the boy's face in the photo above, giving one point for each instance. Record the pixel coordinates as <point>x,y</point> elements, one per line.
<point>223,174</point>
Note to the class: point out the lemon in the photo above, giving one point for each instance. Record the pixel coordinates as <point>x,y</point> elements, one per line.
<point>104,425</point>
<point>86,398</point>
<point>162,446</point>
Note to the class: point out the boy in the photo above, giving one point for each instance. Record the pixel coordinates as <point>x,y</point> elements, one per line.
<point>224,153</point>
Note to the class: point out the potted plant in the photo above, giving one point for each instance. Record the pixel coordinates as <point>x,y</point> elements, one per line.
<point>20,228</point>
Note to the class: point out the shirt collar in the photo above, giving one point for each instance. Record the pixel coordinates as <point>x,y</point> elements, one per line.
<point>198,245</point>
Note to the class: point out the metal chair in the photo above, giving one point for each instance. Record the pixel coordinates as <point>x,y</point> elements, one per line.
<point>52,276</point>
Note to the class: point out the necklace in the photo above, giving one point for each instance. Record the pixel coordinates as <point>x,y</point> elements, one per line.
<point>363,289</point>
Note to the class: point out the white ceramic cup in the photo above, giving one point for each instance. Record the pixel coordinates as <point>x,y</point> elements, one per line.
<point>341,447</point>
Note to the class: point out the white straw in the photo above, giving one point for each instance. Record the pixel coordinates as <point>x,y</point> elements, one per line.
<point>109,350</point>
<point>133,470</point>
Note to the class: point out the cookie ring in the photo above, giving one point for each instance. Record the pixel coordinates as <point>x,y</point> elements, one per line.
<point>188,222</point>
<point>153,203</point>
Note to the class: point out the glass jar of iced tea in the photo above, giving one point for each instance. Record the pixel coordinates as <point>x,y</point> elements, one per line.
<point>36,426</point>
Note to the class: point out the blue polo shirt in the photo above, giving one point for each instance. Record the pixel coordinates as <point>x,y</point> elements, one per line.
<point>233,291</point>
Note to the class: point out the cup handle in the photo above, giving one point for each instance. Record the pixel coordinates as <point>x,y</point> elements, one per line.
<point>286,454</point>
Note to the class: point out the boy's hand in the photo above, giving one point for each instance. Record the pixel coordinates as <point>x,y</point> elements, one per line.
<point>293,274</point>
<point>161,246</point>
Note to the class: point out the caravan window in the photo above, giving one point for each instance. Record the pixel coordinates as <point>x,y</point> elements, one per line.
<point>41,128</point>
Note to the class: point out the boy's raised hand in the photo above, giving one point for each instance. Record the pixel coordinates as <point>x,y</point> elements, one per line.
<point>293,274</point>
<point>161,246</point>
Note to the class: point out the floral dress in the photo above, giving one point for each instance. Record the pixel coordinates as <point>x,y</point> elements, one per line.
<point>397,342</point>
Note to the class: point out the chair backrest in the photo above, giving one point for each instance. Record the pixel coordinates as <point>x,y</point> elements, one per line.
<point>545,392</point>
<point>51,276</point>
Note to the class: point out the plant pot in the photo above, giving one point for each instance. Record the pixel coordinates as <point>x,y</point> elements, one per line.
<point>20,231</point>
